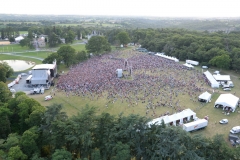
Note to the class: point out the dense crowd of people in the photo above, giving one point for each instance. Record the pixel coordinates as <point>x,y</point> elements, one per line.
<point>153,81</point>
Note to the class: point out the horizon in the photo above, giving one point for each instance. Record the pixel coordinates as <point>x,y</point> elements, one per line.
<point>143,8</point>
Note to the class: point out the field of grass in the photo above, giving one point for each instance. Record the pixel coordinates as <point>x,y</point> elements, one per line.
<point>23,32</point>
<point>14,48</point>
<point>78,47</point>
<point>11,57</point>
<point>39,54</point>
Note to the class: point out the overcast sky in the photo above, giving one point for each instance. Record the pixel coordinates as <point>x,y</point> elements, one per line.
<point>158,8</point>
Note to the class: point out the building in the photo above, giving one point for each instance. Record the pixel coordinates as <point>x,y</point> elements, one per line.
<point>43,74</point>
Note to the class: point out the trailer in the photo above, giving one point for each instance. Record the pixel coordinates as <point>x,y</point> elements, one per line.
<point>195,125</point>
<point>192,62</point>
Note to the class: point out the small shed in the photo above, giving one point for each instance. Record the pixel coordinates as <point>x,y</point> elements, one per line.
<point>119,73</point>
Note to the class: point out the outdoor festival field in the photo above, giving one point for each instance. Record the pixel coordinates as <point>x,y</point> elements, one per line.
<point>73,104</point>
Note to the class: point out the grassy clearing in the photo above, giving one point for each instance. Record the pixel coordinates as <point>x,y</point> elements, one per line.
<point>10,57</point>
<point>39,54</point>
<point>23,32</point>
<point>79,47</point>
<point>14,48</point>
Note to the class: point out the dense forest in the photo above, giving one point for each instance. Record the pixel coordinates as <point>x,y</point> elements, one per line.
<point>31,131</point>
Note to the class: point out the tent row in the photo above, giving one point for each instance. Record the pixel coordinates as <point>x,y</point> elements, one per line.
<point>211,79</point>
<point>175,119</point>
<point>168,57</point>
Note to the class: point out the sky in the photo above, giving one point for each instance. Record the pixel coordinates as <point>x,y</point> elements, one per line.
<point>156,8</point>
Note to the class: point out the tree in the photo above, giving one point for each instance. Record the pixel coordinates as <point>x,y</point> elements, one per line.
<point>61,154</point>
<point>9,70</point>
<point>11,39</point>
<point>5,93</point>
<point>123,37</point>
<point>16,153</point>
<point>222,62</point>
<point>5,127</point>
<point>3,73</point>
<point>81,56</point>
<point>97,45</point>
<point>122,151</point>
<point>68,55</point>
<point>53,40</point>
<point>51,58</point>
<point>28,142</point>
<point>70,36</point>
<point>26,42</point>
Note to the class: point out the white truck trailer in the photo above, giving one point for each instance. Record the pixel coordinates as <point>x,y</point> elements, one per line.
<point>195,125</point>
<point>192,62</point>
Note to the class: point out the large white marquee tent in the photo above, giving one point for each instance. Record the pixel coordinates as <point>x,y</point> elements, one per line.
<point>222,77</point>
<point>227,100</point>
<point>205,96</point>
<point>174,118</point>
<point>211,79</point>
<point>167,57</point>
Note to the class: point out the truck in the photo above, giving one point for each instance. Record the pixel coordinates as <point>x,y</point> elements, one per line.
<point>235,130</point>
<point>195,125</point>
<point>192,62</point>
<point>230,83</point>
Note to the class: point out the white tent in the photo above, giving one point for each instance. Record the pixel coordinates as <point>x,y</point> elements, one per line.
<point>227,100</point>
<point>211,79</point>
<point>185,114</point>
<point>188,65</point>
<point>167,57</point>
<point>222,77</point>
<point>19,38</point>
<point>205,96</point>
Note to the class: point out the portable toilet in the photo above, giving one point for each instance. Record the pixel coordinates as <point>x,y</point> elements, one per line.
<point>119,73</point>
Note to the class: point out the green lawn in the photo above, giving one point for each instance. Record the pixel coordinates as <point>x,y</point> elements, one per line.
<point>39,54</point>
<point>14,48</point>
<point>23,32</point>
<point>10,57</point>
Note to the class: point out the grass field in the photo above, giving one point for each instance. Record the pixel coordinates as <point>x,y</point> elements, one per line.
<point>10,57</point>
<point>14,48</point>
<point>39,54</point>
<point>73,104</point>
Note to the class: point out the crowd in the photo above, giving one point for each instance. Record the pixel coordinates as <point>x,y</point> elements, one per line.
<point>153,81</point>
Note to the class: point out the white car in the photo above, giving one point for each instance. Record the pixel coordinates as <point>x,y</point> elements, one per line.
<point>223,121</point>
<point>49,97</point>
<point>227,89</point>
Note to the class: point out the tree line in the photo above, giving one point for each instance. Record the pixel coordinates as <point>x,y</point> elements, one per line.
<point>31,131</point>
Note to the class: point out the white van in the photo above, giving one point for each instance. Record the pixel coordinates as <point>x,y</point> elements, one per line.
<point>235,130</point>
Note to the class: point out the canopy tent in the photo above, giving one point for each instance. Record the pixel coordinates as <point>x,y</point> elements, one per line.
<point>19,38</point>
<point>167,57</point>
<point>188,65</point>
<point>222,77</point>
<point>174,118</point>
<point>205,97</point>
<point>211,79</point>
<point>227,100</point>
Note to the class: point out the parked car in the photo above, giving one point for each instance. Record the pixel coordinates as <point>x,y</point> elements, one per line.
<point>235,130</point>
<point>49,97</point>
<point>223,121</point>
<point>227,89</point>
<point>205,67</point>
